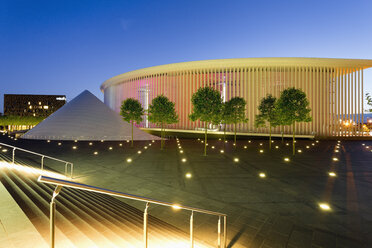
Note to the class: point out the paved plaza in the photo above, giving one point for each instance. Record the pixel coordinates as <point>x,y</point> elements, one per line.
<point>279,210</point>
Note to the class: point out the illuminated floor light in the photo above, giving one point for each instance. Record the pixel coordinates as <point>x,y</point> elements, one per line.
<point>212,147</point>
<point>307,147</point>
<point>336,150</point>
<point>129,160</point>
<point>313,144</point>
<point>4,150</point>
<point>335,159</point>
<point>245,147</point>
<point>139,152</point>
<point>59,143</point>
<point>276,147</point>
<point>101,140</point>
<point>74,147</point>
<point>317,141</point>
<point>110,148</point>
<point>127,141</point>
<point>249,141</point>
<point>48,141</point>
<point>262,175</point>
<point>183,160</point>
<point>332,174</point>
<point>145,147</point>
<point>338,141</point>
<point>236,160</point>
<point>176,206</point>
<point>225,141</point>
<point>286,159</point>
<point>222,151</point>
<point>181,151</point>
<point>90,143</point>
<point>261,151</point>
<point>260,144</point>
<point>198,139</point>
<point>219,139</point>
<point>287,144</point>
<point>363,144</point>
<point>153,141</point>
<point>299,151</point>
<point>188,175</point>
<point>272,141</point>
<point>234,144</point>
<point>120,144</point>
<point>180,147</point>
<point>202,141</point>
<point>150,144</point>
<point>367,147</point>
<point>324,206</point>
<point>95,153</point>
<point>75,141</point>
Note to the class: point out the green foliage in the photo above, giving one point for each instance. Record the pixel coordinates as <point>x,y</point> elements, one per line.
<point>162,112</point>
<point>207,105</point>
<point>268,112</point>
<point>234,112</point>
<point>8,120</point>
<point>369,102</point>
<point>293,106</point>
<point>131,110</point>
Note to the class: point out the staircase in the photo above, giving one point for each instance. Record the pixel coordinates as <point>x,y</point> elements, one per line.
<point>87,219</point>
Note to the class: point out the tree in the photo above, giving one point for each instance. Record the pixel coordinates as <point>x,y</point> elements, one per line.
<point>162,112</point>
<point>131,111</point>
<point>369,102</point>
<point>207,107</point>
<point>268,114</point>
<point>294,107</point>
<point>236,109</point>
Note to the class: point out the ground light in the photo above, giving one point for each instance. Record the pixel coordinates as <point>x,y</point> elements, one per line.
<point>181,151</point>
<point>261,151</point>
<point>332,174</point>
<point>276,147</point>
<point>245,147</point>
<point>313,144</point>
<point>286,159</point>
<point>74,147</point>
<point>153,141</point>
<point>101,140</point>
<point>287,144</point>
<point>74,141</point>
<point>299,151</point>
<point>176,206</point>
<point>4,150</point>
<point>95,153</point>
<point>90,143</point>
<point>145,147</point>
<point>183,160</point>
<point>129,160</point>
<point>222,151</point>
<point>324,207</point>
<point>110,148</point>
<point>139,152</point>
<point>236,160</point>
<point>249,141</point>
<point>59,143</point>
<point>188,175</point>
<point>335,159</point>
<point>127,141</point>
<point>336,150</point>
<point>212,147</point>
<point>262,175</point>
<point>48,141</point>
<point>120,144</point>
<point>307,147</point>
<point>260,144</point>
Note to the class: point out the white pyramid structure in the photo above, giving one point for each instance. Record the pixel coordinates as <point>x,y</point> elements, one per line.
<point>86,118</point>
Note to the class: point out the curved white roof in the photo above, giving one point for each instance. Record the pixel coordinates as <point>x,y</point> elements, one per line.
<point>86,118</point>
<point>241,62</point>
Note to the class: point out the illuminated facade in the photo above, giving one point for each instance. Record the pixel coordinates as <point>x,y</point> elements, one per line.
<point>334,88</point>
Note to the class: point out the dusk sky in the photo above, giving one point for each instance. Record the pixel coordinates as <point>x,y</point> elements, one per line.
<point>65,47</point>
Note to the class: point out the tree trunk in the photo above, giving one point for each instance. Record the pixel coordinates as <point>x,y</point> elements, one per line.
<point>161,137</point>
<point>282,128</point>
<point>224,133</point>
<point>235,134</point>
<point>132,135</point>
<point>294,133</point>
<point>205,139</point>
<point>270,136</point>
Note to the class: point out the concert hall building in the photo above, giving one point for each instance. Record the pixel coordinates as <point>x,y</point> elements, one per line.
<point>334,88</point>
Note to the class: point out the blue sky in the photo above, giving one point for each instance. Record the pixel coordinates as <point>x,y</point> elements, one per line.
<point>65,47</point>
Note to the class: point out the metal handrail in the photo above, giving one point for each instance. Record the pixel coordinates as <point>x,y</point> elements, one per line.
<point>64,183</point>
<point>42,158</point>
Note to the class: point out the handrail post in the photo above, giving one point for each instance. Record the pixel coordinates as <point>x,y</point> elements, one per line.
<point>52,216</point>
<point>72,170</point>
<point>42,163</point>
<point>145,229</point>
<point>192,230</point>
<point>66,169</point>
<point>13,155</point>
<point>219,232</point>
<point>224,231</point>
